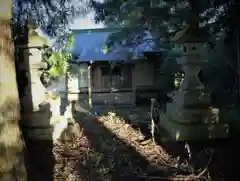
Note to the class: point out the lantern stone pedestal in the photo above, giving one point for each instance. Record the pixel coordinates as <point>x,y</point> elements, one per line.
<point>189,116</point>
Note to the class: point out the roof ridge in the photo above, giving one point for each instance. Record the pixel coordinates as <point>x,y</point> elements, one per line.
<point>96,30</point>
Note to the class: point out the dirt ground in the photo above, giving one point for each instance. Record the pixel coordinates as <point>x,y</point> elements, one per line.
<point>107,147</point>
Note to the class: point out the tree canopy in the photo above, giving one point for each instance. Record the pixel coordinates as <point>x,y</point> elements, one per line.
<point>52,16</point>
<point>163,18</point>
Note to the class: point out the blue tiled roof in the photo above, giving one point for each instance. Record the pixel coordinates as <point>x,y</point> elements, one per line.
<point>88,46</point>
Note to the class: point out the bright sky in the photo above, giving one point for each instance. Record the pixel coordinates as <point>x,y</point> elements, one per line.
<point>79,23</point>
<point>85,23</point>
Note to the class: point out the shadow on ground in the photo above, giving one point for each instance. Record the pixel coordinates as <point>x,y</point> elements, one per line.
<point>225,159</point>
<point>118,160</point>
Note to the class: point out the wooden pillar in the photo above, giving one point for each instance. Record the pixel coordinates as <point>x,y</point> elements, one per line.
<point>12,155</point>
<point>133,88</point>
<point>90,85</point>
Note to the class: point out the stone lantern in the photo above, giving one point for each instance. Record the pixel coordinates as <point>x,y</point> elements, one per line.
<point>38,91</point>
<point>35,108</point>
<point>189,116</point>
<point>33,66</point>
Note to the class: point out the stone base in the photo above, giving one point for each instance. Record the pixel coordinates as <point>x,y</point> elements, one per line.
<point>36,119</point>
<point>193,132</point>
<point>38,134</point>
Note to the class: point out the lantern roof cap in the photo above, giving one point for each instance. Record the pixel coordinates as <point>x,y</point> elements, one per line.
<point>35,40</point>
<point>191,34</point>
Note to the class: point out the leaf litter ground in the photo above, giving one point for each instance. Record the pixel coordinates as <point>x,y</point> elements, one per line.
<point>108,148</point>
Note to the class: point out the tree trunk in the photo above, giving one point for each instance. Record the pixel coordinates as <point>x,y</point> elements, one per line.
<point>12,165</point>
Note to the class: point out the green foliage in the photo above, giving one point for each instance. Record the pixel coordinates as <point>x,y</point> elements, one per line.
<point>60,56</point>
<point>64,42</point>
<point>178,77</point>
<point>105,49</point>
<point>59,64</point>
